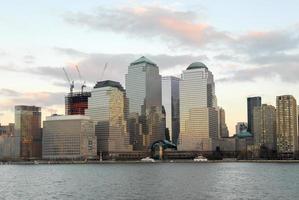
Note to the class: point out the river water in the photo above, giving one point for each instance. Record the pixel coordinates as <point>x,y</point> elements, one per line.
<point>151,181</point>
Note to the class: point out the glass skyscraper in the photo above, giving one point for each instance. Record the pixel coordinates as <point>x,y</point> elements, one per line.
<point>171,103</point>
<point>251,103</point>
<point>143,86</point>
<point>198,114</point>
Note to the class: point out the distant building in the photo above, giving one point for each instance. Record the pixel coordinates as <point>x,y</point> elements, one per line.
<point>9,144</point>
<point>76,103</point>
<point>108,108</point>
<point>171,103</point>
<point>251,103</point>
<point>287,124</point>
<point>28,128</point>
<point>8,129</point>
<point>198,114</point>
<point>264,128</point>
<point>223,130</point>
<point>143,86</point>
<point>69,137</point>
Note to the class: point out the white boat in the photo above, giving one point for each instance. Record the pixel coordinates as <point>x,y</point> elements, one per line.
<point>200,158</point>
<point>36,162</point>
<point>147,159</point>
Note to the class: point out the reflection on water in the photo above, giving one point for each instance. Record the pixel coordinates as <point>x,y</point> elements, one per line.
<point>151,181</point>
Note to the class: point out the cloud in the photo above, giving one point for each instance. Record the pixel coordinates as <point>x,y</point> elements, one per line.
<point>29,59</point>
<point>176,27</point>
<point>10,98</point>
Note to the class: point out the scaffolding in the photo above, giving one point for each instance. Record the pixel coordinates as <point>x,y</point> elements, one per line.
<point>76,103</point>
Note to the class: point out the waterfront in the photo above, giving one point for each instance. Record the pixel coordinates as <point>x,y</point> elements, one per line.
<point>151,181</point>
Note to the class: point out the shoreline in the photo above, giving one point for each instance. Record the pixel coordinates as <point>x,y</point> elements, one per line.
<point>44,162</point>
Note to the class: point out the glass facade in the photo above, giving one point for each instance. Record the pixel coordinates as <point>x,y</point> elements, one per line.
<point>198,114</point>
<point>251,103</point>
<point>143,85</point>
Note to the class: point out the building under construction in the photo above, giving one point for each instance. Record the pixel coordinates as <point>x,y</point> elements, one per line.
<point>76,103</point>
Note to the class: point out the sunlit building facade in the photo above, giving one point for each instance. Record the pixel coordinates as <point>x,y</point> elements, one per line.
<point>171,103</point>
<point>28,128</point>
<point>222,129</point>
<point>264,128</point>
<point>143,86</point>
<point>69,137</point>
<point>198,113</point>
<point>108,108</point>
<point>287,124</point>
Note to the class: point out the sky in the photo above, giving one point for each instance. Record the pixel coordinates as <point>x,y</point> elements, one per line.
<point>251,47</point>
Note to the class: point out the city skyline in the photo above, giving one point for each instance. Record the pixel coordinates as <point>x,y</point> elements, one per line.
<point>247,57</point>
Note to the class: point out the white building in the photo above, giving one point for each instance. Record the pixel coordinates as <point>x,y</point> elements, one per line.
<point>108,107</point>
<point>198,114</point>
<point>143,86</point>
<point>69,137</point>
<point>171,103</point>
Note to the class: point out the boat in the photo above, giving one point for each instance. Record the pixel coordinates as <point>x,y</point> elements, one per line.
<point>200,158</point>
<point>147,159</point>
<point>36,162</point>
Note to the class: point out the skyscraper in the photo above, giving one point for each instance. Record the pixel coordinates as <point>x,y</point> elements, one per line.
<point>223,130</point>
<point>287,122</point>
<point>251,103</point>
<point>143,85</point>
<point>76,103</point>
<point>28,128</point>
<point>171,103</point>
<point>108,108</point>
<point>264,128</point>
<point>198,114</point>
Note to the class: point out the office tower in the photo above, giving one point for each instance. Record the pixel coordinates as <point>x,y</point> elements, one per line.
<point>69,137</point>
<point>9,144</point>
<point>108,108</point>
<point>143,85</point>
<point>241,126</point>
<point>76,103</point>
<point>198,114</point>
<point>286,119</point>
<point>251,103</point>
<point>264,128</point>
<point>8,129</point>
<point>223,130</point>
<point>28,128</point>
<point>171,103</point>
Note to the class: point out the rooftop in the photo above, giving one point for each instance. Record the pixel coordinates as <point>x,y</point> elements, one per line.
<point>196,65</point>
<point>109,83</point>
<point>143,59</point>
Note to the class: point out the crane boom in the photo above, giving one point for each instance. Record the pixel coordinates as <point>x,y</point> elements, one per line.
<point>80,77</point>
<point>72,85</point>
<point>103,72</point>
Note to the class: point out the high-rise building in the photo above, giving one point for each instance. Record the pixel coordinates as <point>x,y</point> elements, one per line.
<point>287,122</point>
<point>143,85</point>
<point>264,128</point>
<point>198,114</point>
<point>171,103</point>
<point>69,137</point>
<point>9,143</point>
<point>108,108</point>
<point>251,103</point>
<point>28,128</point>
<point>223,130</point>
<point>76,103</point>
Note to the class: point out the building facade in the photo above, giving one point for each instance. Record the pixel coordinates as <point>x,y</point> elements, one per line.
<point>198,113</point>
<point>171,103</point>
<point>251,103</point>
<point>76,103</point>
<point>264,119</point>
<point>287,124</point>
<point>28,128</point>
<point>108,108</point>
<point>223,130</point>
<point>143,85</point>
<point>69,137</point>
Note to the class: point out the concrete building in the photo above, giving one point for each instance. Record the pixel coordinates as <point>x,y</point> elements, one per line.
<point>171,103</point>
<point>240,126</point>
<point>287,124</point>
<point>108,108</point>
<point>251,103</point>
<point>28,128</point>
<point>69,137</point>
<point>198,114</point>
<point>9,144</point>
<point>222,129</point>
<point>143,85</point>
<point>264,128</point>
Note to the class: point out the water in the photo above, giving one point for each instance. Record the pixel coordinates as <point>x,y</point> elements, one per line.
<point>151,181</point>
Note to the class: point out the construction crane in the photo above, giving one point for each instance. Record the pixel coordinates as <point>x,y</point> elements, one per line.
<point>72,85</point>
<point>80,77</point>
<point>103,72</point>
